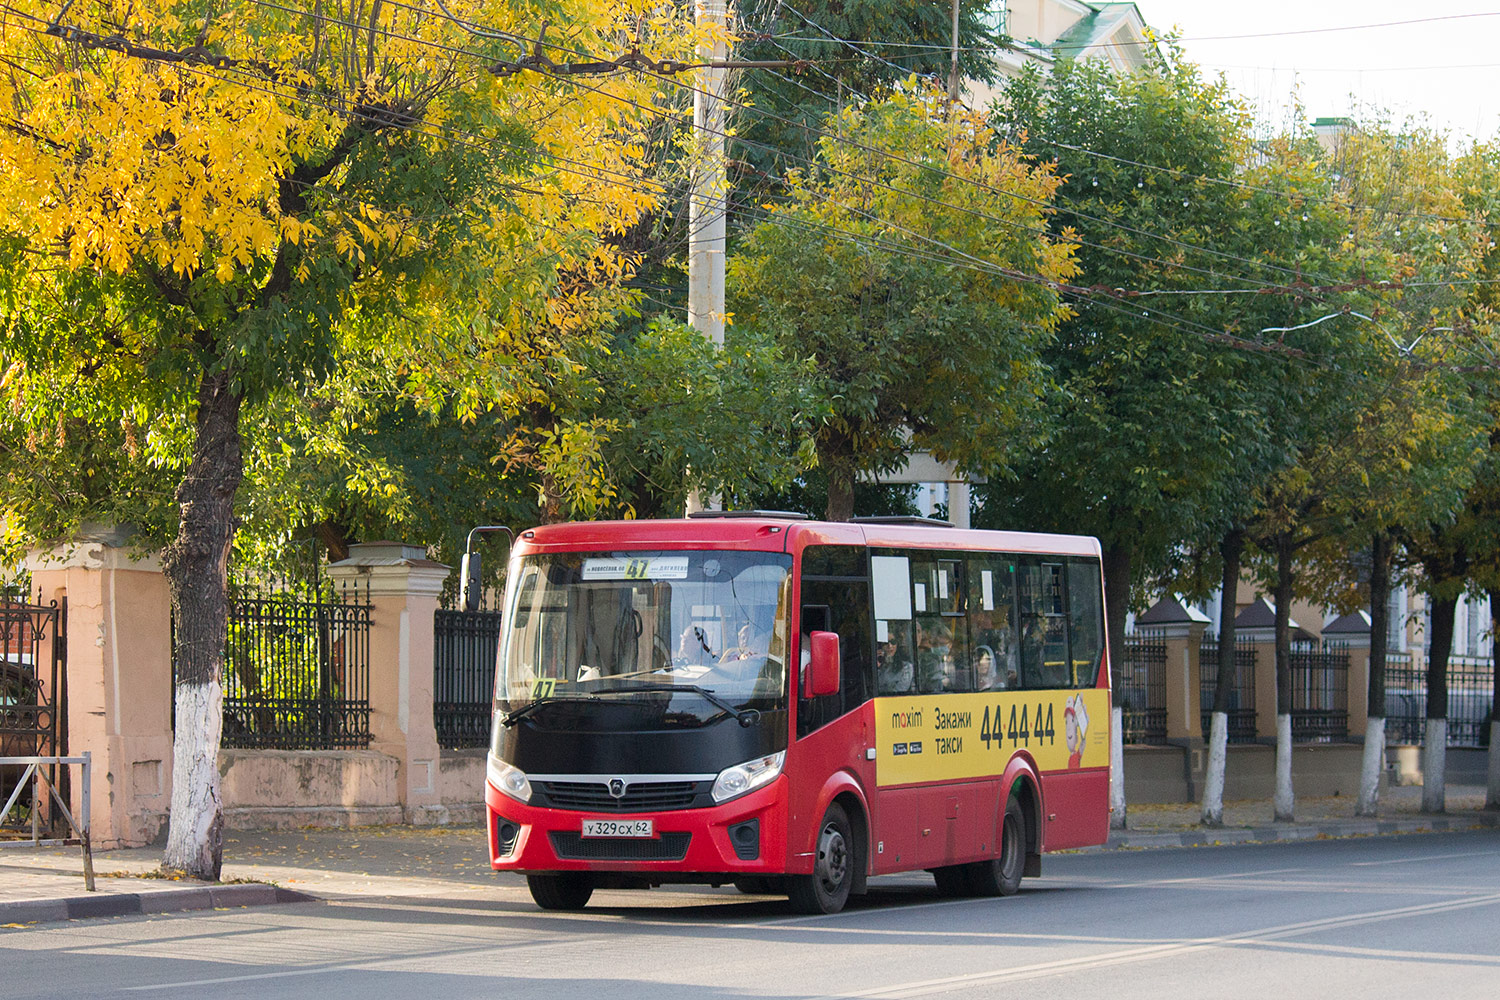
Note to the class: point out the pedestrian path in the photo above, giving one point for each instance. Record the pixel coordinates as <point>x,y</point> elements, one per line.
<point>1253,821</point>
<point>276,866</point>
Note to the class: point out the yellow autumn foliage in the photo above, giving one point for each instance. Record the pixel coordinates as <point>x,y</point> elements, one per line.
<point>177,135</point>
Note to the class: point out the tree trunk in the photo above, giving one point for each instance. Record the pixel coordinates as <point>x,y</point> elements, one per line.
<point>1117,564</point>
<point>1435,738</point>
<point>196,566</point>
<point>1372,764</point>
<point>836,452</point>
<point>1230,548</point>
<point>1492,795</point>
<point>1285,802</point>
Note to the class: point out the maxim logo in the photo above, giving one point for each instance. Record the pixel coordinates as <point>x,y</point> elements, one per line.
<point>907,720</point>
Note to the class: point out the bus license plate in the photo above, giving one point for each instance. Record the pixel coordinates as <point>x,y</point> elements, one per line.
<point>642,828</point>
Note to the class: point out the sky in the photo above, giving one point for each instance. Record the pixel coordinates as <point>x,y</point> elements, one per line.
<point>1447,71</point>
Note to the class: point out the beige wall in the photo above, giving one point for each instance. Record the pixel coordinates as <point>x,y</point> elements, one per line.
<point>1041,20</point>
<point>120,698</point>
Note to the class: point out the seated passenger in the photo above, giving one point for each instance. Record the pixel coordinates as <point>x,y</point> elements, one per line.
<point>894,674</point>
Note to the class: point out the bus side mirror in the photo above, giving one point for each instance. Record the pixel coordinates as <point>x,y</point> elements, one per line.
<point>470,582</point>
<point>823,669</point>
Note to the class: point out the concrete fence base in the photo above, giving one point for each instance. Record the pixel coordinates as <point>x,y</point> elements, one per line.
<point>288,789</point>
<point>1175,773</point>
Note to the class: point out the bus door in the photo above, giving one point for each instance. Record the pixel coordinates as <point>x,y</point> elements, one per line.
<point>932,798</point>
<point>834,732</point>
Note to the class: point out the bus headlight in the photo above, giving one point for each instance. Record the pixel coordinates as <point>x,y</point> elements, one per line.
<point>510,780</point>
<point>733,782</point>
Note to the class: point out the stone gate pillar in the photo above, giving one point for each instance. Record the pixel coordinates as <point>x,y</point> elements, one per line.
<point>119,677</point>
<point>403,586</point>
<point>1354,630</point>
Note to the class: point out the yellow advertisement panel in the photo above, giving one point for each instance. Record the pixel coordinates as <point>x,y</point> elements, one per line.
<point>936,737</point>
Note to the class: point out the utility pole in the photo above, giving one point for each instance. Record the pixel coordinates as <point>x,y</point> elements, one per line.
<point>708,202</point>
<point>953,78</point>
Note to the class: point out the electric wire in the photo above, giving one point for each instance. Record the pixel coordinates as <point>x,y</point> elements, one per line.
<point>977,260</point>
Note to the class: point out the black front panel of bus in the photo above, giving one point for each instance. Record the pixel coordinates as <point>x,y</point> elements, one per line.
<point>700,750</point>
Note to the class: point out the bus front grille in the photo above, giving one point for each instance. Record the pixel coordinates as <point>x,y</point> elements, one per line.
<point>644,796</point>
<point>574,847</point>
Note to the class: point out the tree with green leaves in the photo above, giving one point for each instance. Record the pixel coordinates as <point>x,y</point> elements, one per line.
<point>1155,395</point>
<point>911,266</point>
<point>1400,459</point>
<point>206,206</point>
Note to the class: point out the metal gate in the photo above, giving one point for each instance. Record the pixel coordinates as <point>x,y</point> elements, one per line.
<point>463,679</point>
<point>33,716</point>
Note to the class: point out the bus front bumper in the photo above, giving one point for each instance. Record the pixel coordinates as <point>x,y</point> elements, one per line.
<point>745,836</point>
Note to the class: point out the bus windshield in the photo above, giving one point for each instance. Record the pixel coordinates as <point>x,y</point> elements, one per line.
<point>644,639</point>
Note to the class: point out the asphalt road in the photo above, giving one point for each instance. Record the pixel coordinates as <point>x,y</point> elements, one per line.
<point>1388,916</point>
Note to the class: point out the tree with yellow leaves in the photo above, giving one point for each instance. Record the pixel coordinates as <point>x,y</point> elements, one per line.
<point>202,203</point>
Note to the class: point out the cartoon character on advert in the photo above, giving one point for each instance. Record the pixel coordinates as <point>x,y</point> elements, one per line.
<point>1076,725</point>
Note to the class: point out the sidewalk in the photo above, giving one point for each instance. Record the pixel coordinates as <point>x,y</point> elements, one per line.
<point>1176,825</point>
<point>451,862</point>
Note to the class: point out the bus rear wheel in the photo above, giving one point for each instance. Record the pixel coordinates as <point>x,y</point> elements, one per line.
<point>560,890</point>
<point>1002,876</point>
<point>826,890</point>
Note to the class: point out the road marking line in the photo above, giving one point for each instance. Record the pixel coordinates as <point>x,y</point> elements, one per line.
<point>1131,955</point>
<point>1425,857</point>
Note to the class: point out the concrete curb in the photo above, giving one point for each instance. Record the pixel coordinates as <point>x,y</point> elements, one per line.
<point>1275,833</point>
<point>116,904</point>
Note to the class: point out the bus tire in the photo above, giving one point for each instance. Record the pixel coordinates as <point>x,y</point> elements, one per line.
<point>561,890</point>
<point>1002,876</point>
<point>836,856</point>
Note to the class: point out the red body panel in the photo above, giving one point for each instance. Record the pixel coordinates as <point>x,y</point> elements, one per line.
<point>909,827</point>
<point>1072,808</point>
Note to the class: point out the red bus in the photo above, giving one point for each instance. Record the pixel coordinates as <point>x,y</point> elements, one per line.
<point>793,706</point>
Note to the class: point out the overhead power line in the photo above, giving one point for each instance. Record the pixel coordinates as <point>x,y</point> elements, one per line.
<point>1159,317</point>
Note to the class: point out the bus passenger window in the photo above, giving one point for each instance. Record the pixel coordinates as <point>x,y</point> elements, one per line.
<point>1086,621</point>
<point>992,626</point>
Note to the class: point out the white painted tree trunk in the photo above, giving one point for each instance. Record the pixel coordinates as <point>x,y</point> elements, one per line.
<point>194,842</point>
<point>1213,779</point>
<point>1117,768</point>
<point>1434,766</point>
<point>1285,803</point>
<point>1492,797</point>
<point>1372,764</point>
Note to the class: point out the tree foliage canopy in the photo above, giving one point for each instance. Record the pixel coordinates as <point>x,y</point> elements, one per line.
<point>912,266</point>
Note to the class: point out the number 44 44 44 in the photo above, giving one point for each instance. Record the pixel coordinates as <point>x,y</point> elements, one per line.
<point>1020,729</point>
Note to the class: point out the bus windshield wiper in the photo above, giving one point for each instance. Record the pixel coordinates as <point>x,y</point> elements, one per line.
<point>530,708</point>
<point>744,716</point>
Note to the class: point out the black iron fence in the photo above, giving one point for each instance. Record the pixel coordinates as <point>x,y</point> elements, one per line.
<point>1142,687</point>
<point>1471,693</point>
<point>297,668</point>
<point>33,710</point>
<point>1242,689</point>
<point>463,675</point>
<point>1320,692</point>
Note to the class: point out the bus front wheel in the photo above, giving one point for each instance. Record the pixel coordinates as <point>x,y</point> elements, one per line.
<point>826,890</point>
<point>560,890</point>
